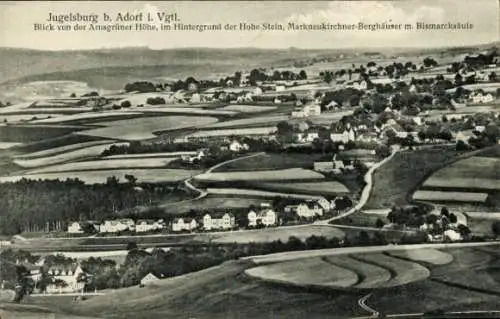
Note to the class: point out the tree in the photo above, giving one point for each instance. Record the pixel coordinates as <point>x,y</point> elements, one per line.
<point>445,211</point>
<point>461,146</point>
<point>379,223</point>
<point>452,218</point>
<point>495,228</point>
<point>72,95</point>
<point>131,179</point>
<point>126,104</point>
<point>328,78</point>
<point>463,230</point>
<point>131,245</point>
<point>303,75</point>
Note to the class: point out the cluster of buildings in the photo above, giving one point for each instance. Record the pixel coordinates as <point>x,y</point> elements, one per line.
<point>117,226</point>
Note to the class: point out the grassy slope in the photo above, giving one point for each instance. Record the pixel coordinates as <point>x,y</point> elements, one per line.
<point>222,292</point>
<point>400,176</point>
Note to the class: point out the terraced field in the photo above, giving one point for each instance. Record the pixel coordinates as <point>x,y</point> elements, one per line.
<point>62,149</point>
<point>429,256</point>
<point>313,272</point>
<point>402,272</point>
<point>369,275</point>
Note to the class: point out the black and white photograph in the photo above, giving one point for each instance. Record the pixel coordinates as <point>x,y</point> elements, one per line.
<point>249,159</point>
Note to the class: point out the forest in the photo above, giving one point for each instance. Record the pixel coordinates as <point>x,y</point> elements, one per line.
<point>49,205</point>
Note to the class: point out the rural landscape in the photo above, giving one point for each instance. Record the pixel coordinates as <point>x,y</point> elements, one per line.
<point>250,183</point>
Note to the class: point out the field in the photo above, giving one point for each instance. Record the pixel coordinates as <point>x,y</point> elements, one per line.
<point>149,155</point>
<point>255,193</point>
<point>229,132</point>
<point>32,133</point>
<point>65,156</point>
<point>214,202</point>
<point>248,108</point>
<point>430,256</point>
<point>270,161</point>
<point>403,173</point>
<point>281,233</point>
<point>179,109</point>
<point>312,272</point>
<point>62,149</point>
<point>326,188</point>
<point>283,175</point>
<point>254,121</point>
<point>438,196</point>
<point>100,176</point>
<point>144,128</point>
<point>135,163</point>
<point>87,116</point>
<point>475,173</point>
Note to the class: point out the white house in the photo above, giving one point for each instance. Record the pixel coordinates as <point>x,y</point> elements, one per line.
<point>266,217</point>
<point>452,235</point>
<point>478,97</point>
<point>277,101</point>
<point>118,225</point>
<point>66,279</point>
<point>145,225</point>
<point>236,146</point>
<point>75,228</point>
<point>344,137</point>
<point>257,91</point>
<point>149,279</point>
<point>220,221</point>
<point>309,209</point>
<point>184,224</point>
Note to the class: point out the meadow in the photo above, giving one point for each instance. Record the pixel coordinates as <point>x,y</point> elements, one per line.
<point>439,196</point>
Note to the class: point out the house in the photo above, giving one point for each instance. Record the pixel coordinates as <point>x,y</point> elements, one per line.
<point>75,228</point>
<point>222,221</point>
<point>149,279</point>
<point>277,101</point>
<point>308,209</point>
<point>265,217</point>
<point>452,235</point>
<point>257,91</point>
<point>236,146</point>
<point>82,227</point>
<point>184,224</point>
<point>344,137</point>
<point>146,225</point>
<point>464,136</point>
<point>119,225</point>
<point>324,203</point>
<point>66,279</point>
<point>479,98</point>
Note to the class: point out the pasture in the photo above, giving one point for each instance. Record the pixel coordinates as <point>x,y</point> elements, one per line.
<point>62,149</point>
<point>82,117</point>
<point>230,132</point>
<point>270,161</point>
<point>145,128</point>
<point>214,203</point>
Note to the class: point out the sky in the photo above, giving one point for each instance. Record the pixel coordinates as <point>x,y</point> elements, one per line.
<point>17,21</point>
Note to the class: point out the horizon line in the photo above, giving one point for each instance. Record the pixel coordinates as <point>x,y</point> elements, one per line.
<point>382,48</point>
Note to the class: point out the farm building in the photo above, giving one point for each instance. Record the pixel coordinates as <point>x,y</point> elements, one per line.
<point>265,217</point>
<point>478,97</point>
<point>184,224</point>
<point>222,221</point>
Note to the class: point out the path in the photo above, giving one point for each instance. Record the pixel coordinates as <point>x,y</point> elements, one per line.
<point>365,194</point>
<point>362,304</point>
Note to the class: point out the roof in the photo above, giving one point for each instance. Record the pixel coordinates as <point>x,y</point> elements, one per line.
<point>146,221</point>
<point>219,215</point>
